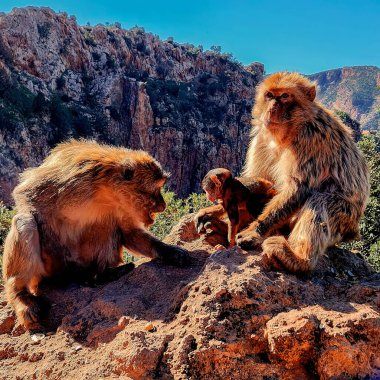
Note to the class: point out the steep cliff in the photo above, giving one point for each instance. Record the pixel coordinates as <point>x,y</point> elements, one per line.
<point>187,107</point>
<point>354,90</point>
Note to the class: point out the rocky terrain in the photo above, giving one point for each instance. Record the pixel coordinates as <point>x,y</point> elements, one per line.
<point>188,107</point>
<point>227,316</point>
<point>354,90</point>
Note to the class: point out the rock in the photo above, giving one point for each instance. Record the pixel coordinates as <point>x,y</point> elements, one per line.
<point>36,338</point>
<point>149,327</point>
<point>7,319</point>
<point>352,90</point>
<point>189,109</point>
<point>225,317</point>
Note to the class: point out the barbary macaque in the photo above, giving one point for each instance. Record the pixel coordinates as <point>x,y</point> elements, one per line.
<point>242,203</point>
<point>317,169</point>
<point>77,211</point>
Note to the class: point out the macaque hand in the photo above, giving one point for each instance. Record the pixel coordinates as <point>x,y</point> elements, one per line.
<point>173,255</point>
<point>249,238</point>
<point>202,221</point>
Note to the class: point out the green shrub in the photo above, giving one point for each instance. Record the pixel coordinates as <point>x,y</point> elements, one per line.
<point>6,216</point>
<point>88,37</point>
<point>61,119</point>
<point>176,208</point>
<point>5,53</point>
<point>369,245</point>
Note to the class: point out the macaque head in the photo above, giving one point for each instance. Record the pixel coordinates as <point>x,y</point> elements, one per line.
<point>283,97</point>
<point>121,181</point>
<point>214,183</point>
<point>147,178</point>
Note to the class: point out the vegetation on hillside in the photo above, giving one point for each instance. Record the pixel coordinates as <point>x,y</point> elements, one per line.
<point>176,208</point>
<point>19,106</point>
<point>355,89</point>
<point>369,245</point>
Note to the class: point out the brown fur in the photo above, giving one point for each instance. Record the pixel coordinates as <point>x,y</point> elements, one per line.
<point>242,199</point>
<point>76,211</point>
<point>318,171</point>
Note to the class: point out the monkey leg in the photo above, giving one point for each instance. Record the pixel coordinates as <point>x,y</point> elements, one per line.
<point>307,242</point>
<point>23,269</point>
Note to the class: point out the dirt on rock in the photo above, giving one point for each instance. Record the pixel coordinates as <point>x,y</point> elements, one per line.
<point>227,316</point>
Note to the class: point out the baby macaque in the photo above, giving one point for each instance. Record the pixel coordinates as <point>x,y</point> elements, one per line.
<point>242,199</point>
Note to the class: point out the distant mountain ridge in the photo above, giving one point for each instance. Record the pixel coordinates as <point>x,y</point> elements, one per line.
<point>354,90</point>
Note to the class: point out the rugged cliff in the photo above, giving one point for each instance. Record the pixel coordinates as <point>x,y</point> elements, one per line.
<point>354,90</point>
<point>189,108</point>
<point>225,317</point>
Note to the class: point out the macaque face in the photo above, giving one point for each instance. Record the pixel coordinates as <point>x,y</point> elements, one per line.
<point>152,202</point>
<point>214,182</point>
<point>146,183</point>
<point>279,105</point>
<point>213,190</point>
<point>283,97</point>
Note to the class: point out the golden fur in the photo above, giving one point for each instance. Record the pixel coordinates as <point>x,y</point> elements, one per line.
<point>76,211</point>
<point>318,171</point>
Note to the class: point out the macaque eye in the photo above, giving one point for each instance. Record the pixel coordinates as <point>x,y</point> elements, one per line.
<point>269,95</point>
<point>128,174</point>
<point>284,95</point>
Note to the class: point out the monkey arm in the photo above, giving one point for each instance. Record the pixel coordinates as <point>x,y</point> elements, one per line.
<point>233,226</point>
<point>281,207</point>
<point>141,242</point>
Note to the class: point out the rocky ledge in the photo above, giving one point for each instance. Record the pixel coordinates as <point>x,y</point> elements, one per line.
<point>225,317</point>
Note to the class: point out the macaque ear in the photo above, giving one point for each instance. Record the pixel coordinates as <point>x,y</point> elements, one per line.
<point>311,92</point>
<point>215,179</point>
<point>128,174</point>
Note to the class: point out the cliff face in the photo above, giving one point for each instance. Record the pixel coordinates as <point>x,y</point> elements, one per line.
<point>353,90</point>
<point>189,108</point>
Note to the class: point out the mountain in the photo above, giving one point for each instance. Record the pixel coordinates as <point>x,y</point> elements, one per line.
<point>354,90</point>
<point>188,107</point>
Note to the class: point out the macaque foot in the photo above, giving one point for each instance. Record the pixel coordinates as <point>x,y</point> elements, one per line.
<point>272,247</point>
<point>176,256</point>
<point>114,273</point>
<point>31,310</point>
<point>219,247</point>
<point>278,254</point>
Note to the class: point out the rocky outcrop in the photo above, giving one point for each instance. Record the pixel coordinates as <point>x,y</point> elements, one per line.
<point>354,90</point>
<point>188,107</point>
<point>225,317</point>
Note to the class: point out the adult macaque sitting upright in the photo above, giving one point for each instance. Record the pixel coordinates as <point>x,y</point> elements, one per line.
<point>76,212</point>
<point>319,174</point>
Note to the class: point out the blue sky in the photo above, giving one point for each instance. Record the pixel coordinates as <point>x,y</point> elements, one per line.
<point>305,36</point>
